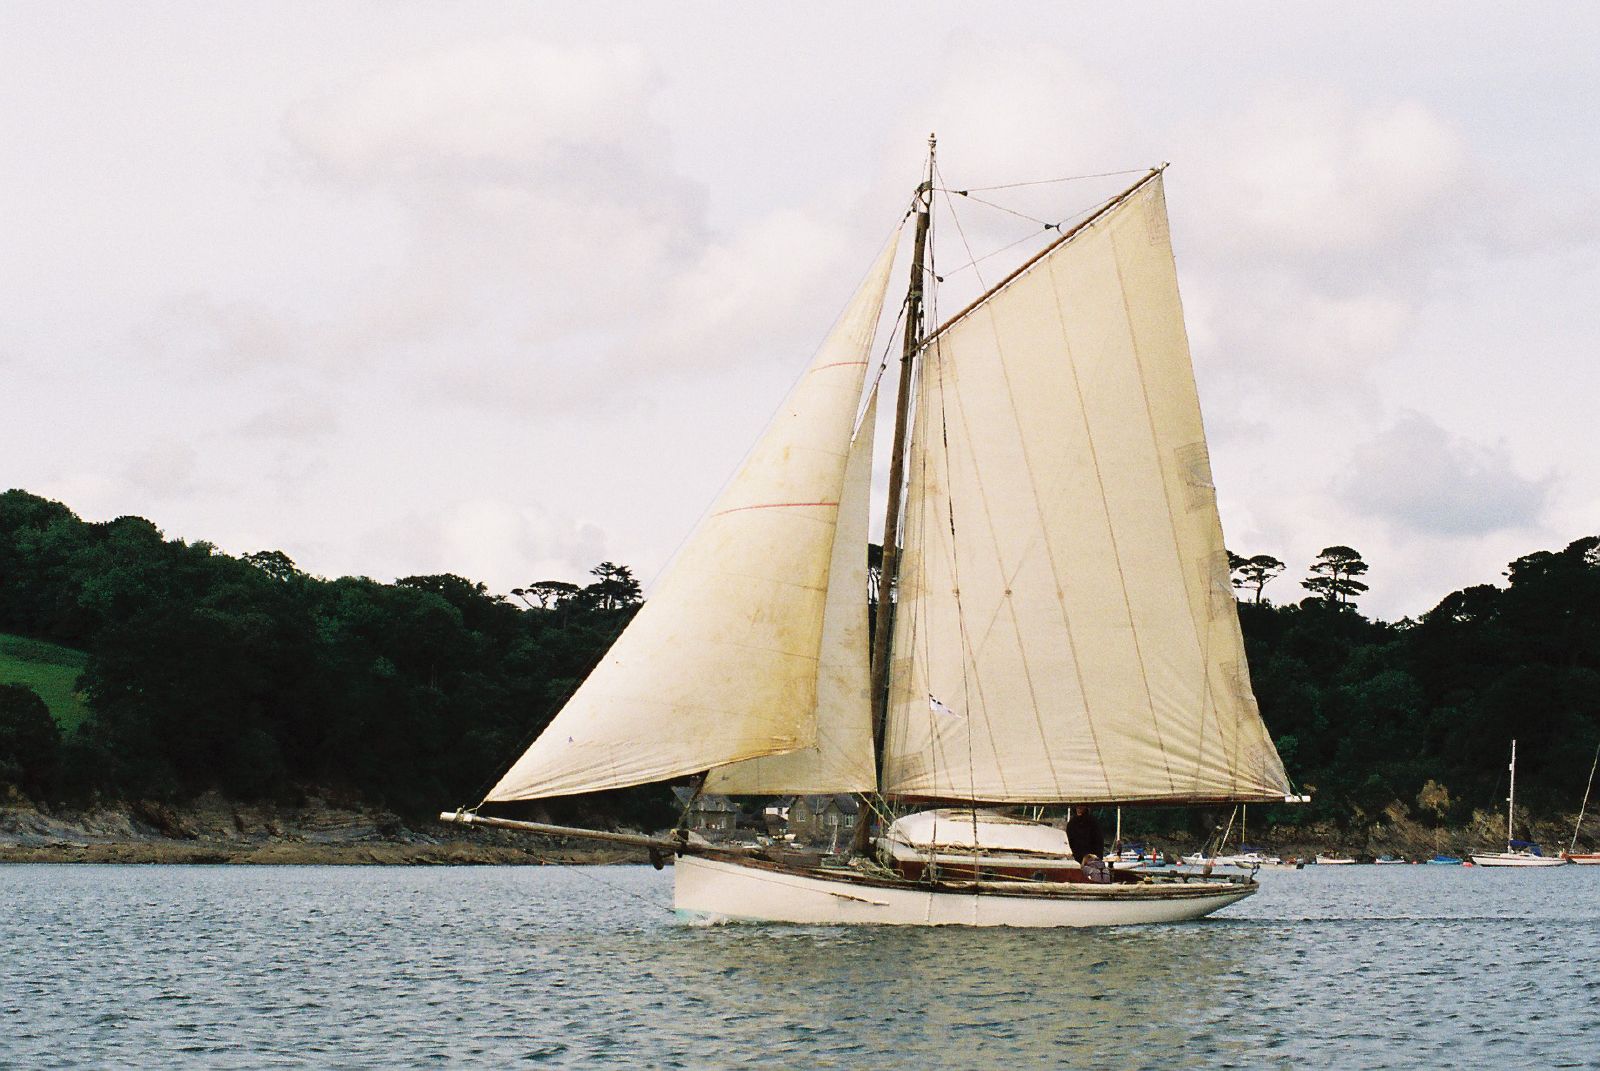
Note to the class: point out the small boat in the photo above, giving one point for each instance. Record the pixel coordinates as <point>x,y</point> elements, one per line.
<point>1389,860</point>
<point>1137,857</point>
<point>1334,860</point>
<point>1445,860</point>
<point>1572,855</point>
<point>1521,853</point>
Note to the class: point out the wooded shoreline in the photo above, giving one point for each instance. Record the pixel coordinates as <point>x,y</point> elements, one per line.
<point>214,830</point>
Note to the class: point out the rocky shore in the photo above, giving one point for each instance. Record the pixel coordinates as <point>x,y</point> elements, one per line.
<point>215,830</point>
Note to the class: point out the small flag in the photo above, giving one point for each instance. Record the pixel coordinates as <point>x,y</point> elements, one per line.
<point>939,708</point>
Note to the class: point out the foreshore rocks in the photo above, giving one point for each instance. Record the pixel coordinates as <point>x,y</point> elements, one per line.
<point>215,830</point>
<point>212,829</point>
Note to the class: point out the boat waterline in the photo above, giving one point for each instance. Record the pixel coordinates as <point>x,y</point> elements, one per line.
<point>716,890</point>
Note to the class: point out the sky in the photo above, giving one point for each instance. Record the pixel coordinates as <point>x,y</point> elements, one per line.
<point>506,290</point>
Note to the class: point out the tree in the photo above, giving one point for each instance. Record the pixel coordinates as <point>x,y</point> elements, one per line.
<point>613,589</point>
<point>1333,576</point>
<point>1256,572</point>
<point>275,563</point>
<point>30,742</point>
<point>548,593</point>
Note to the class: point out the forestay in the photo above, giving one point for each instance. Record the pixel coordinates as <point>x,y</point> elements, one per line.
<point>1066,627</point>
<point>721,664</point>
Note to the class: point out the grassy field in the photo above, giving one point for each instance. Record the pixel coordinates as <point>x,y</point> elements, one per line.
<point>48,669</point>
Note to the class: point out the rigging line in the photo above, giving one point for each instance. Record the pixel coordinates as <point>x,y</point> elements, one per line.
<point>913,536</point>
<point>973,264</point>
<point>1046,224</point>
<point>1586,788</point>
<point>968,655</point>
<point>960,230</point>
<point>1048,181</point>
<point>1056,226</point>
<point>883,362</point>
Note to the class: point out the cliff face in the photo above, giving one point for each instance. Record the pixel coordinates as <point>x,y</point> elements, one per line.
<point>215,830</point>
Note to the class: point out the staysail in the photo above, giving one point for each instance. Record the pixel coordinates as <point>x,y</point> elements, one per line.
<point>1066,627</point>
<point>722,663</point>
<point>841,758</point>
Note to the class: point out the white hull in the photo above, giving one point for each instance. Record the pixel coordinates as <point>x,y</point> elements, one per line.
<point>1517,859</point>
<point>716,890</point>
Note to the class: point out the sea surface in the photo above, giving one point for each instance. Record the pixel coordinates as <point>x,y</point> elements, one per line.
<point>395,967</point>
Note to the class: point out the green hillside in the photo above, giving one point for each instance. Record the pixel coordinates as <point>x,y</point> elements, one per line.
<point>51,671</point>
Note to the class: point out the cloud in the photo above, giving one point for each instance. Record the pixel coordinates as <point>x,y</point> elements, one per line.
<point>166,468</point>
<point>295,419</point>
<point>1418,477</point>
<point>207,334</point>
<point>504,544</point>
<point>1318,176</point>
<point>509,113</point>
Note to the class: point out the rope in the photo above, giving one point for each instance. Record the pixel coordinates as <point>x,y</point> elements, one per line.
<point>1046,182</point>
<point>1581,810</point>
<point>972,260</point>
<point>1056,226</point>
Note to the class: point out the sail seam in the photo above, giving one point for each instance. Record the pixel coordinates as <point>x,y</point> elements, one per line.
<point>770,505</point>
<point>1007,601</point>
<point>968,654</point>
<point>1105,507</point>
<point>1177,550</point>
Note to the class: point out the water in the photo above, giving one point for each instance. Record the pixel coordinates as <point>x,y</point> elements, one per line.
<point>219,967</point>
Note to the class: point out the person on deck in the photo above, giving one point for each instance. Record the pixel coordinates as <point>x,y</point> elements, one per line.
<point>1087,843</point>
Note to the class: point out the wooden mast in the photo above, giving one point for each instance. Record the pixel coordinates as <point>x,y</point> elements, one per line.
<point>889,569</point>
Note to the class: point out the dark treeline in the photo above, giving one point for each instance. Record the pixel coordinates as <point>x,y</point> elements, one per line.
<point>1368,713</point>
<point>247,676</point>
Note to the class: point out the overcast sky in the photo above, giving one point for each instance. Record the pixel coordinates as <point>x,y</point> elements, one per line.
<point>507,289</point>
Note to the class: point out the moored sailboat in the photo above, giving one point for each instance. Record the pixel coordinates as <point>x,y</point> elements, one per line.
<point>1058,623</point>
<point>1520,853</point>
<point>1572,855</point>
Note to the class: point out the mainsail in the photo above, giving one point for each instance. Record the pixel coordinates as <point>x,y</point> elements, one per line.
<point>722,663</point>
<point>1066,627</point>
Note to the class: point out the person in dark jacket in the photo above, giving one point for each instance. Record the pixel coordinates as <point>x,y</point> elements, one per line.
<point>1084,836</point>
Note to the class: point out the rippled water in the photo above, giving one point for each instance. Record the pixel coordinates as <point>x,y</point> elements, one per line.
<point>1362,967</point>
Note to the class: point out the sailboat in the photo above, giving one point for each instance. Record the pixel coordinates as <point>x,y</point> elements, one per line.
<point>1057,623</point>
<point>1518,852</point>
<point>1572,855</point>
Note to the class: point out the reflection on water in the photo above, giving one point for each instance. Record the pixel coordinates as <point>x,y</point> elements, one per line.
<point>318,967</point>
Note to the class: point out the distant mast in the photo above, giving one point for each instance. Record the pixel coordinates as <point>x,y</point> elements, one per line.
<point>1511,796</point>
